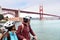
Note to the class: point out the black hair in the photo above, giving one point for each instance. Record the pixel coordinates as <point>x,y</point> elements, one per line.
<point>9,28</point>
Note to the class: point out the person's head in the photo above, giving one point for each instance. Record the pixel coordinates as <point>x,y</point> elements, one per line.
<point>26,19</point>
<point>1,17</point>
<point>10,25</point>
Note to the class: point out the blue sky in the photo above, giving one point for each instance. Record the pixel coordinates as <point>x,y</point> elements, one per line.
<point>50,6</point>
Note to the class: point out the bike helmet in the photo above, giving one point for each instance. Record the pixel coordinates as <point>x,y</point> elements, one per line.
<point>9,24</point>
<point>27,17</point>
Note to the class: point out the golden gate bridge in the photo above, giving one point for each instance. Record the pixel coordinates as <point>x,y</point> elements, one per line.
<point>41,13</point>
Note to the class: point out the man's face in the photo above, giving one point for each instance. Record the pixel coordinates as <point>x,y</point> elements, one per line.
<point>29,21</point>
<point>13,28</point>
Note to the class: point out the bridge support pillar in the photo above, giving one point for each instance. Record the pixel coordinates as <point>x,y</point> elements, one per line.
<point>41,11</point>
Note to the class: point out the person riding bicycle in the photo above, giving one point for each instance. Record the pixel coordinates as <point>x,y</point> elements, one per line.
<point>11,31</point>
<point>24,30</point>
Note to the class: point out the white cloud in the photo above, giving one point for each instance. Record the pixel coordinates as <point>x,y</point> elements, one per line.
<point>9,3</point>
<point>12,3</point>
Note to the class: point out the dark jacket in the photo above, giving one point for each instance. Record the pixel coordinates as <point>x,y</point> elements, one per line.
<point>25,33</point>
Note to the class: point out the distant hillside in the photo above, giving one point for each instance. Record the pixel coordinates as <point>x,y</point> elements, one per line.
<point>47,18</point>
<point>35,18</point>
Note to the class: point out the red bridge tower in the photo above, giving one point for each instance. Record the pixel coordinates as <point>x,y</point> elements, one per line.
<point>41,12</point>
